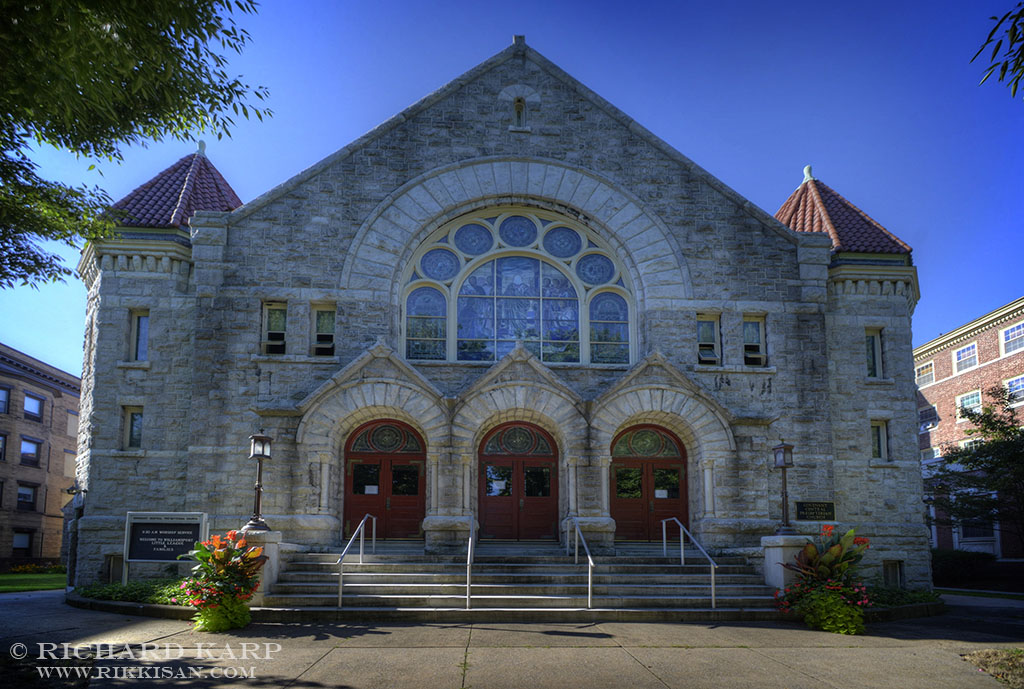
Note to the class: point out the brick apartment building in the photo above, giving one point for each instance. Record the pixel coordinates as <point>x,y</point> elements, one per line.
<point>38,439</point>
<point>955,370</point>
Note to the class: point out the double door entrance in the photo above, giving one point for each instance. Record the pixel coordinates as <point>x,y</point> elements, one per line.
<point>648,483</point>
<point>518,496</point>
<point>385,477</point>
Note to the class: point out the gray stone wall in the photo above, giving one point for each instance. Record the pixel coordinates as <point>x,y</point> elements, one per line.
<point>342,232</point>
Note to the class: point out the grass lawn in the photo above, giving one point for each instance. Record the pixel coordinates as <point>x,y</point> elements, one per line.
<point>10,583</point>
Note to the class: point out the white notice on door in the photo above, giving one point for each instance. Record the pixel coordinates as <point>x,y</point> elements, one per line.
<point>370,490</point>
<point>661,492</point>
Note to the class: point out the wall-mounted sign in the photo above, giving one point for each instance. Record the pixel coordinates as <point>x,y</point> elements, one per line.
<point>161,536</point>
<point>816,511</point>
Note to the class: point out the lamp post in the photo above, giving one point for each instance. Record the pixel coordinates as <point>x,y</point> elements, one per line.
<point>784,460</point>
<point>259,450</point>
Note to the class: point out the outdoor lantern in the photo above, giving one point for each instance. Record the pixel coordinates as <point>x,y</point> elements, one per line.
<point>784,460</point>
<point>259,450</point>
<point>260,446</point>
<point>783,456</point>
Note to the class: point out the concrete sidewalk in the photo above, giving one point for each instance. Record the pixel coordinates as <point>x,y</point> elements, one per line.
<point>921,653</point>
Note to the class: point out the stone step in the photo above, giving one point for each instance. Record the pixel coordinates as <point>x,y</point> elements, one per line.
<point>693,557</point>
<point>515,601</point>
<point>484,577</point>
<point>512,567</point>
<point>459,615</point>
<point>431,588</point>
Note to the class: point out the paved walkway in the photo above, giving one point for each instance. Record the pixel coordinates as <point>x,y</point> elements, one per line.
<point>921,653</point>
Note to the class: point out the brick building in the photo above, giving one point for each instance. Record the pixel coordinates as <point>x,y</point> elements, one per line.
<point>510,304</point>
<point>955,370</point>
<point>38,444</point>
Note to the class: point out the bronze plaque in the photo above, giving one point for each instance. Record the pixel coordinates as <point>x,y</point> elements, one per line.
<point>816,511</point>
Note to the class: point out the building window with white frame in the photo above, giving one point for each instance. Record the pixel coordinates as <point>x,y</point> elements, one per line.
<point>708,343</point>
<point>880,441</point>
<point>140,335</point>
<point>5,399</point>
<point>323,330</point>
<point>132,428</point>
<point>1015,388</point>
<point>275,319</point>
<point>873,339</point>
<point>965,358</point>
<point>927,418</point>
<point>754,350</point>
<point>970,401</point>
<point>3,447</point>
<point>924,374</point>
<point>33,407</point>
<point>1013,338</point>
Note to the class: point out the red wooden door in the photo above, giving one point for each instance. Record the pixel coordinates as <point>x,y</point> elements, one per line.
<point>648,482</point>
<point>518,484</point>
<point>385,477</point>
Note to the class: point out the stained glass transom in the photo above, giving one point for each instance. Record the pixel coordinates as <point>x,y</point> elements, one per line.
<point>518,440</point>
<point>646,442</point>
<point>496,277</point>
<point>386,438</point>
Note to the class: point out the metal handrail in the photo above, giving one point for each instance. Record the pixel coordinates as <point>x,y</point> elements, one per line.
<point>361,532</point>
<point>470,554</point>
<point>682,552</point>
<point>590,560</point>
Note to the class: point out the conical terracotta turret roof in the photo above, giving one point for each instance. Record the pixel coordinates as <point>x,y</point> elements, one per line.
<point>173,196</point>
<point>817,207</point>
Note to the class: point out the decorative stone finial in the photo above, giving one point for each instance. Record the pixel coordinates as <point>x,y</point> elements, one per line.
<point>518,39</point>
<point>807,173</point>
<point>202,148</point>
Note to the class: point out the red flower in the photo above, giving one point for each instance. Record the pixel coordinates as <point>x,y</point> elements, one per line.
<point>860,540</point>
<point>826,530</point>
<point>232,534</point>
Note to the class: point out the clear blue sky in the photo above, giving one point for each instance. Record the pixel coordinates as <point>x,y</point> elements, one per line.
<point>879,96</point>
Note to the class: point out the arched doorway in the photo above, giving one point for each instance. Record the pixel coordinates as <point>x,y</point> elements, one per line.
<point>518,483</point>
<point>648,482</point>
<point>385,477</point>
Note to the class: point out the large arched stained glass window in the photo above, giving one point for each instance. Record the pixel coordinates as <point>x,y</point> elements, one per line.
<point>503,275</point>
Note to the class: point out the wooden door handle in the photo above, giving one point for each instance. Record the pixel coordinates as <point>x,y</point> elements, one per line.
<point>521,503</point>
<point>387,503</point>
<point>652,507</point>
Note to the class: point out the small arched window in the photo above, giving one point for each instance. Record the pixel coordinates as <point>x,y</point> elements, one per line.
<point>519,105</point>
<point>502,275</point>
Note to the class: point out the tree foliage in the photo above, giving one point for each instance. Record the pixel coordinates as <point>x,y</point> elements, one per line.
<point>91,78</point>
<point>1006,36</point>
<point>984,481</point>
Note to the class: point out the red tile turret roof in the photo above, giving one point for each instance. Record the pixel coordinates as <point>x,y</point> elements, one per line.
<point>169,199</point>
<point>817,207</point>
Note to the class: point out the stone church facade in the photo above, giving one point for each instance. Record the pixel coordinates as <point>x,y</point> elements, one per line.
<point>511,304</point>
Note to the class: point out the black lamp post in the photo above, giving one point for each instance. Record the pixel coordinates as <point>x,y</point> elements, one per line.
<point>259,450</point>
<point>784,460</point>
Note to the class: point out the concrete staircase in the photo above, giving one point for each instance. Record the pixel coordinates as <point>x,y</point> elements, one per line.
<point>516,582</point>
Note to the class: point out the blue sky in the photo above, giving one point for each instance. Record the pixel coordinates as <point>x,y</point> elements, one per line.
<point>879,96</point>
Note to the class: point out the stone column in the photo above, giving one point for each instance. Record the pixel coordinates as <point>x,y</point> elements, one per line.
<point>270,541</point>
<point>571,464</point>
<point>432,468</point>
<point>708,469</point>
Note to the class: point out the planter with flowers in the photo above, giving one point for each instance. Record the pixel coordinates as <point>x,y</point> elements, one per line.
<point>826,593</point>
<point>224,578</point>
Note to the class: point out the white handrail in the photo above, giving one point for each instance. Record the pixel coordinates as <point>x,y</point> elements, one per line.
<point>470,554</point>
<point>590,560</point>
<point>682,552</point>
<point>361,532</point>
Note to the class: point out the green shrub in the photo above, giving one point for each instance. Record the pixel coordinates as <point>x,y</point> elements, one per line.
<point>959,567</point>
<point>159,591</point>
<point>888,597</point>
<point>827,610</point>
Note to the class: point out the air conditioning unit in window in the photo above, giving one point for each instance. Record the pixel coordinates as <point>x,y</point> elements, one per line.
<point>324,345</point>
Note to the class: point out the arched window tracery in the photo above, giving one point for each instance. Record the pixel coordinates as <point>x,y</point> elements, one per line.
<point>497,276</point>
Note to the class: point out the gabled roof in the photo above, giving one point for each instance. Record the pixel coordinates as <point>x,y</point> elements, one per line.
<point>169,199</point>
<point>817,207</point>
